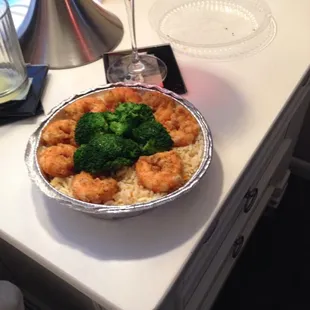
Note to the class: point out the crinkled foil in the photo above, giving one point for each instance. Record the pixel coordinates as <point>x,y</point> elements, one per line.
<point>105,211</point>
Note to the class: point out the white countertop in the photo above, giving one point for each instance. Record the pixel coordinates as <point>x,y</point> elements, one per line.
<point>131,264</point>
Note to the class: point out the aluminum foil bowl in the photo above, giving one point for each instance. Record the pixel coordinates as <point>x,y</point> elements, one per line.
<point>107,211</point>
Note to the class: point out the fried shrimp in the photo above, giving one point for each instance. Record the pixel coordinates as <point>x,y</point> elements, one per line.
<point>164,112</point>
<point>114,97</point>
<point>94,190</point>
<point>181,125</point>
<point>155,100</point>
<point>61,131</point>
<point>89,104</point>
<point>161,173</point>
<point>57,160</point>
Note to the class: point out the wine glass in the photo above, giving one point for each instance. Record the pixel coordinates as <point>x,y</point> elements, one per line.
<point>135,67</point>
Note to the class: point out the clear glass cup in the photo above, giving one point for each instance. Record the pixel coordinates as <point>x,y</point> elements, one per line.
<point>135,67</point>
<point>13,75</point>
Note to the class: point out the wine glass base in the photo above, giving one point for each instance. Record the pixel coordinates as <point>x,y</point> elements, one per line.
<point>154,72</point>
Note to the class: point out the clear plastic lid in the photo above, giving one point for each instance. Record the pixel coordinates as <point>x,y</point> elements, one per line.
<point>215,29</point>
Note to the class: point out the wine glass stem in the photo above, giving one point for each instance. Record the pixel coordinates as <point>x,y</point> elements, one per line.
<point>137,66</point>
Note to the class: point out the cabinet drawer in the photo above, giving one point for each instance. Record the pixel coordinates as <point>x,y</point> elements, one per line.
<point>250,204</point>
<point>202,258</point>
<point>234,252</point>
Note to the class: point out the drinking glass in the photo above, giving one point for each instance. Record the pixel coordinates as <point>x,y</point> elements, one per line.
<point>13,75</point>
<point>135,67</point>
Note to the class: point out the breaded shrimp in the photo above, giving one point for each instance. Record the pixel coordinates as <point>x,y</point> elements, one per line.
<point>164,112</point>
<point>89,104</point>
<point>94,190</point>
<point>161,172</point>
<point>57,160</point>
<point>181,125</point>
<point>114,97</point>
<point>61,131</point>
<point>155,100</point>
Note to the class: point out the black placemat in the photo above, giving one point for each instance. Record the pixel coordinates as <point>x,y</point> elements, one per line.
<point>31,106</point>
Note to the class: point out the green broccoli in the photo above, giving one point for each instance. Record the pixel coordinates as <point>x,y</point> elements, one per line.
<point>153,137</point>
<point>121,128</point>
<point>140,112</point>
<point>131,148</point>
<point>110,116</point>
<point>89,125</point>
<point>128,116</point>
<point>106,152</point>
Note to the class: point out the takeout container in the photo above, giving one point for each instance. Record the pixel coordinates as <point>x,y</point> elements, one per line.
<point>108,211</point>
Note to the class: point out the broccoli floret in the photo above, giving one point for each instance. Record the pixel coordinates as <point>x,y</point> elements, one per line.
<point>115,125</point>
<point>85,160</point>
<point>89,125</point>
<point>106,152</point>
<point>121,128</point>
<point>131,148</point>
<point>128,116</point>
<point>110,116</point>
<point>153,137</point>
<point>129,110</point>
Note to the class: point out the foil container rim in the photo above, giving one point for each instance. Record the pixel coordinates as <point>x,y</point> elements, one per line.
<point>111,211</point>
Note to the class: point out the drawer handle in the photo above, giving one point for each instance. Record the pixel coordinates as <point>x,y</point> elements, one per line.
<point>237,246</point>
<point>250,197</point>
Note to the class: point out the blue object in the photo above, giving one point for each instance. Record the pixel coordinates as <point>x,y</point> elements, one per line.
<point>22,13</point>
